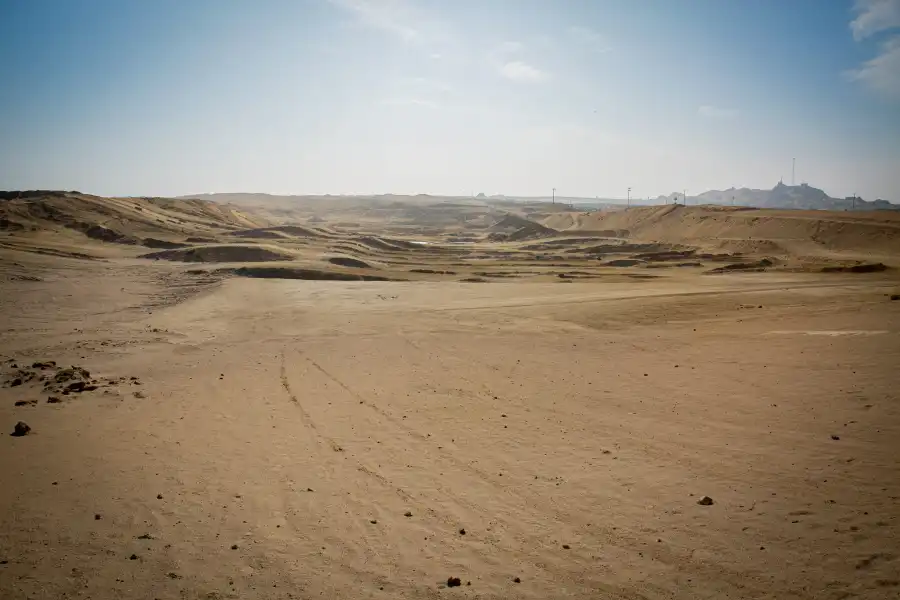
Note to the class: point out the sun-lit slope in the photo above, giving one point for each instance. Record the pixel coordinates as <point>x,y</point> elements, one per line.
<point>807,232</point>
<point>121,220</point>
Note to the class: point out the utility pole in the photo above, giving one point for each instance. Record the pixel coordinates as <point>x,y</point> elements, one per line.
<point>793,171</point>
<point>629,197</point>
<point>684,195</point>
<point>854,200</point>
<point>554,195</point>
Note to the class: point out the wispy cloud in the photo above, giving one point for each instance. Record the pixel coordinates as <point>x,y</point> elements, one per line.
<point>391,16</point>
<point>882,73</point>
<point>522,72</point>
<point>716,112</point>
<point>590,38</point>
<point>873,16</point>
<point>506,59</point>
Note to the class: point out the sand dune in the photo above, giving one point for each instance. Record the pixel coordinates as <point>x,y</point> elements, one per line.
<point>742,229</point>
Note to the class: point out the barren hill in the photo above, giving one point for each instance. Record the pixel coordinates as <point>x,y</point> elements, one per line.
<point>813,233</point>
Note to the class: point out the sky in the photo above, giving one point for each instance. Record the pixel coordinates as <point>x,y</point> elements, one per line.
<point>516,97</point>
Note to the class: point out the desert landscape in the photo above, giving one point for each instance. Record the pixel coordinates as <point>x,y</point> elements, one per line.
<point>251,396</point>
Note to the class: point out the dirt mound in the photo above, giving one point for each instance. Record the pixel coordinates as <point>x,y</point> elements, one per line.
<point>344,261</point>
<point>155,243</point>
<point>261,234</point>
<point>623,262</point>
<point>860,268</point>
<point>297,230</point>
<point>297,273</point>
<point>756,266</point>
<point>98,232</point>
<point>224,253</point>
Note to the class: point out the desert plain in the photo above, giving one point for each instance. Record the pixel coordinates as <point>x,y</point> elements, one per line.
<point>420,397</point>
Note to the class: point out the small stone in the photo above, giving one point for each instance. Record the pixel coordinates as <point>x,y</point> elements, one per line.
<point>97,517</point>
<point>15,382</point>
<point>374,521</point>
<point>517,580</point>
<point>705,501</point>
<point>53,400</point>
<point>234,546</point>
<point>835,437</point>
<point>407,514</point>
<point>133,557</point>
<point>25,402</point>
<point>21,428</point>
<point>453,582</point>
<point>159,496</point>
<point>895,296</point>
<point>462,532</point>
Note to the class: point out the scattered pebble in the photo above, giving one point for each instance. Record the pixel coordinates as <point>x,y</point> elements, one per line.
<point>159,496</point>
<point>407,514</point>
<point>566,547</point>
<point>453,582</point>
<point>97,517</point>
<point>462,532</point>
<point>133,557</point>
<point>705,501</point>
<point>234,546</point>
<point>835,437</point>
<point>517,580</point>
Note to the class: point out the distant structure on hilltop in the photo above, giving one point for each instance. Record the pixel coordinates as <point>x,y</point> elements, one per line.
<point>802,196</point>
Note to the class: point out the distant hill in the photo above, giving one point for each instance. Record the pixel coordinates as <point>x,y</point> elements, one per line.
<point>803,197</point>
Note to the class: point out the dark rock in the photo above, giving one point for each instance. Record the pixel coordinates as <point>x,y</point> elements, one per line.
<point>462,532</point>
<point>76,386</point>
<point>453,582</point>
<point>566,546</point>
<point>97,517</point>
<point>133,557</point>
<point>21,428</point>
<point>895,296</point>
<point>407,514</point>
<point>25,402</point>
<point>159,496</point>
<point>53,400</point>
<point>47,364</point>
<point>72,374</point>
<point>517,580</point>
<point>705,501</point>
<point>145,536</point>
<point>15,382</point>
<point>835,437</point>
<point>234,546</point>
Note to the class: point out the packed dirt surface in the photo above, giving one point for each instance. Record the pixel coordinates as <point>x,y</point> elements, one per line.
<point>602,416</point>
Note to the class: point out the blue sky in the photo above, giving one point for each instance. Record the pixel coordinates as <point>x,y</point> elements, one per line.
<point>171,97</point>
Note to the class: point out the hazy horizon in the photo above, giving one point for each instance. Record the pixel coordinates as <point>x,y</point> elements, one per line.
<point>361,97</point>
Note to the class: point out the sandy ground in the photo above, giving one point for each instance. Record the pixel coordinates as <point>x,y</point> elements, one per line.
<point>319,439</point>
